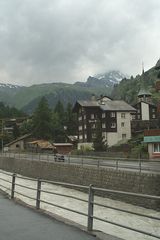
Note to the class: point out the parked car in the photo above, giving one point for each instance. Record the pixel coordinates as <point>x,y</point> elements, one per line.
<point>59,158</point>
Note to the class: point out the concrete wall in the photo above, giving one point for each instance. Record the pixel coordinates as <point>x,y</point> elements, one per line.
<point>102,177</point>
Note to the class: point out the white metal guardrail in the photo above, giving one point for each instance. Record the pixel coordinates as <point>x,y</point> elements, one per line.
<point>91,203</point>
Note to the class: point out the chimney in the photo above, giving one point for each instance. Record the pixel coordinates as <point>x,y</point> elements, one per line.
<point>93,97</point>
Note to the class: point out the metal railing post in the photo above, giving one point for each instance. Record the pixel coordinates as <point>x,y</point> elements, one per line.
<point>38,194</point>
<point>117,164</point>
<point>98,163</point>
<point>13,185</point>
<point>140,165</point>
<point>82,161</point>
<point>90,208</point>
<point>69,159</point>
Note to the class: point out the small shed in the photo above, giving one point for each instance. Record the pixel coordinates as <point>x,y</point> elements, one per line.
<point>152,138</point>
<point>63,148</point>
<point>40,146</point>
<point>18,144</point>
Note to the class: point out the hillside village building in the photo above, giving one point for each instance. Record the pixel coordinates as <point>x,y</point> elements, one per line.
<point>146,110</point>
<point>147,115</point>
<point>152,138</point>
<point>114,116</point>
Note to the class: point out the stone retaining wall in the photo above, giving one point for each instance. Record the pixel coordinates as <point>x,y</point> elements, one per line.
<point>146,183</point>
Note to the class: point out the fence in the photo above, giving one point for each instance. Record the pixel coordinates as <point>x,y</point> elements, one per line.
<point>91,203</point>
<point>140,165</point>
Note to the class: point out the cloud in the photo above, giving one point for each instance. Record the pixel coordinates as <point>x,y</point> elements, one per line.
<point>67,40</point>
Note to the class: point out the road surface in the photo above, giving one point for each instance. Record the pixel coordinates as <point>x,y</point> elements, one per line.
<point>20,223</point>
<point>143,166</point>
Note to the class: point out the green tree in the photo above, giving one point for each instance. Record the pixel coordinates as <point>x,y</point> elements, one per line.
<point>26,127</point>
<point>59,109</point>
<point>70,121</point>
<point>99,144</point>
<point>58,128</point>
<point>42,120</point>
<point>16,131</point>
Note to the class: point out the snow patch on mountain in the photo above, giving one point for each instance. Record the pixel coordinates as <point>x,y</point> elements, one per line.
<point>7,85</point>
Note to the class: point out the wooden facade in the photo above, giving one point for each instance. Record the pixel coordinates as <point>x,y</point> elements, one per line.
<point>106,112</point>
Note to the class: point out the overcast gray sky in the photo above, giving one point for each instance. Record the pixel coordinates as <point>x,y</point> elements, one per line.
<point>68,40</point>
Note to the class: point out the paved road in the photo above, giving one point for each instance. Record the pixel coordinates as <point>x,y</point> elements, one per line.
<point>20,223</point>
<point>144,166</point>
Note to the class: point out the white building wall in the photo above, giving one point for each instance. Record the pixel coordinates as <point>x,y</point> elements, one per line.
<point>123,128</point>
<point>126,129</point>
<point>112,138</point>
<point>85,146</point>
<point>145,111</point>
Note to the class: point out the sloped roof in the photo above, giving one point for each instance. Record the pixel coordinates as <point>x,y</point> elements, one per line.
<point>85,103</point>
<point>19,139</point>
<point>117,105</point>
<point>42,144</point>
<point>62,144</point>
<point>111,105</point>
<point>143,92</point>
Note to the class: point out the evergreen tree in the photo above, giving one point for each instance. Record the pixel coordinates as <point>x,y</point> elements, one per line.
<point>26,127</point>
<point>70,121</point>
<point>59,109</point>
<point>42,120</point>
<point>99,144</point>
<point>16,131</point>
<point>58,128</point>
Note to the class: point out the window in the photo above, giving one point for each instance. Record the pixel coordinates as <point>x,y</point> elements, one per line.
<point>103,115</point>
<point>133,117</point>
<point>153,109</point>
<point>122,124</point>
<point>153,116</point>
<point>80,128</point>
<point>84,116</point>
<point>80,118</point>
<point>85,126</point>
<point>124,136</point>
<point>93,135</point>
<point>113,125</point>
<point>156,147</point>
<point>92,116</point>
<point>113,114</point>
<point>103,134</point>
<point>80,137</point>
<point>103,125</point>
<point>93,125</point>
<point>123,115</point>
<point>85,136</point>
